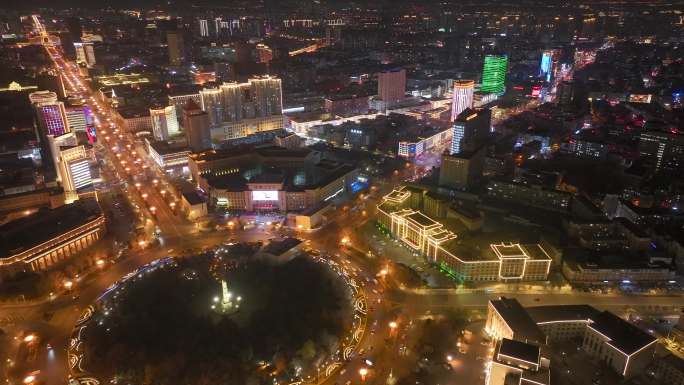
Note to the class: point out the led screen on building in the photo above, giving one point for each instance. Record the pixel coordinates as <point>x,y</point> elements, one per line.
<point>264,195</point>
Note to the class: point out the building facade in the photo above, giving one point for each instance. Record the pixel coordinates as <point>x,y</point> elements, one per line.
<point>462,97</point>
<point>494,74</point>
<point>37,242</point>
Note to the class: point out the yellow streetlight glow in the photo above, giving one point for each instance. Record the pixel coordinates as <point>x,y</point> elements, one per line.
<point>393,325</point>
<point>29,379</point>
<point>68,285</point>
<point>29,338</point>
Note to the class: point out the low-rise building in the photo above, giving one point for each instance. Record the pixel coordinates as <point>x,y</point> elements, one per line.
<point>193,205</point>
<point>502,261</point>
<point>620,345</point>
<point>171,157</point>
<point>518,363</point>
<point>38,241</point>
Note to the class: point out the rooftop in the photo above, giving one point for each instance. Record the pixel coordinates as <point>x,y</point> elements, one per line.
<point>519,351</point>
<point>25,233</point>
<point>556,313</point>
<point>515,316</point>
<point>622,335</point>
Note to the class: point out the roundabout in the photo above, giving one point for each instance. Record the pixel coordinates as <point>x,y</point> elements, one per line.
<point>232,315</point>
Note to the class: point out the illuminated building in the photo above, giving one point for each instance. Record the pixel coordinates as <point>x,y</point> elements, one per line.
<point>623,347</point>
<point>428,141</point>
<point>172,158</point>
<point>77,117</point>
<point>196,126</point>
<point>618,344</point>
<point>74,167</point>
<point>270,178</point>
<point>462,170</point>
<point>85,53</point>
<point>470,129</point>
<point>585,148</point>
<point>164,122</point>
<point>494,74</point>
<point>176,49</point>
<point>238,110</point>
<point>39,241</point>
<point>549,64</point>
<point>392,85</point>
<point>120,79</point>
<point>462,97</point>
<point>404,218</point>
<point>51,114</point>
<point>518,363</point>
<point>180,100</point>
<point>204,27</point>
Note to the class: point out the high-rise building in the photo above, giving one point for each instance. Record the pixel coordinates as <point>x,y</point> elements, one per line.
<point>662,149</point>
<point>547,63</point>
<point>52,81</point>
<point>462,98</point>
<point>392,85</point>
<point>231,103</point>
<point>50,113</point>
<point>164,122</point>
<point>176,49</point>
<point>494,74</point>
<point>470,129</point>
<point>204,27</point>
<point>74,168</point>
<point>196,126</point>
<point>73,25</point>
<point>462,170</point>
<point>243,109</point>
<point>180,100</point>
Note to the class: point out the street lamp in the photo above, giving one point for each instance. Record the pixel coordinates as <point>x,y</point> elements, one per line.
<point>68,285</point>
<point>363,372</point>
<point>29,338</point>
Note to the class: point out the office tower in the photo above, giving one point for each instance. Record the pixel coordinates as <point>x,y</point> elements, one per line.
<point>164,122</point>
<point>462,98</point>
<point>178,101</point>
<point>663,150</point>
<point>73,25</point>
<point>77,118</point>
<point>67,42</point>
<point>462,170</point>
<point>267,95</point>
<point>74,168</point>
<point>52,81</point>
<point>470,130</point>
<point>196,125</point>
<point>212,102</point>
<point>204,27</point>
<point>392,85</point>
<point>494,74</point>
<point>50,113</point>
<point>174,41</point>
